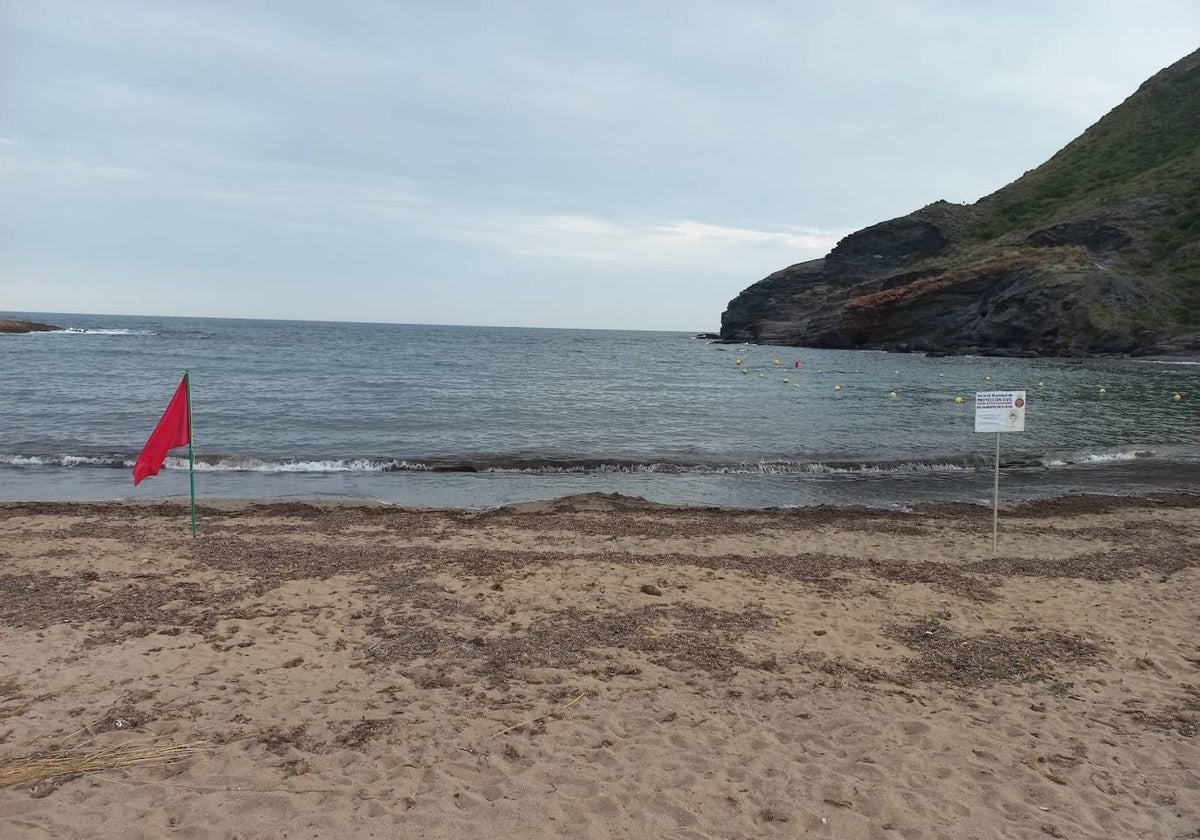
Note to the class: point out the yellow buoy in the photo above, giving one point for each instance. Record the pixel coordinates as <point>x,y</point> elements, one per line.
<point>775,362</point>
<point>892,395</point>
<point>837,387</point>
<point>1177,397</point>
<point>745,371</point>
<point>761,375</point>
<point>958,400</point>
<point>941,376</point>
<point>737,361</point>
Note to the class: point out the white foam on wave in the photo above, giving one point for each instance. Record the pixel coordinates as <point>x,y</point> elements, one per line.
<point>764,467</point>
<point>1077,458</point>
<point>89,331</point>
<point>65,461</point>
<point>231,464</point>
<point>262,465</point>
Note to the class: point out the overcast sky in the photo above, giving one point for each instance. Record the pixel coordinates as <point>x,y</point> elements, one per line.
<point>627,165</point>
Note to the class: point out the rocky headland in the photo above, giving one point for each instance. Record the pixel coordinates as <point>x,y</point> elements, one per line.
<point>1095,252</point>
<point>10,326</point>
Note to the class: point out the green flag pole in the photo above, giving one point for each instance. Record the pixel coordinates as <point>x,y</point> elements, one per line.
<point>187,378</point>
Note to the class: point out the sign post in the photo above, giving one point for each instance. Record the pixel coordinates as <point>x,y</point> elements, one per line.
<point>999,412</point>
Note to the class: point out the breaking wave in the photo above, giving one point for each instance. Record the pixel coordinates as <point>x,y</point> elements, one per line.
<point>535,466</point>
<point>86,331</point>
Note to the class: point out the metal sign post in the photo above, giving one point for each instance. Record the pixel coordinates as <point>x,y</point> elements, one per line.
<point>999,411</point>
<point>996,498</point>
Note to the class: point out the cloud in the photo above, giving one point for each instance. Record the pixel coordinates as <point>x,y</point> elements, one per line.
<point>647,243</point>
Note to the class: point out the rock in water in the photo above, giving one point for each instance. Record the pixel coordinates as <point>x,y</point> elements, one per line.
<point>7,326</point>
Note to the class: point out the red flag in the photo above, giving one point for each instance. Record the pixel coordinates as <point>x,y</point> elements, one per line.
<point>171,431</point>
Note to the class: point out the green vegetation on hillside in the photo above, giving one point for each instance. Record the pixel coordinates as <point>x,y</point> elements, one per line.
<point>1149,146</point>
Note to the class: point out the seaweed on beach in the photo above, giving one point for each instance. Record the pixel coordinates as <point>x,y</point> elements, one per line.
<point>1100,566</point>
<point>1087,503</point>
<point>685,636</point>
<point>363,732</point>
<point>680,524</point>
<point>112,610</point>
<point>273,562</point>
<point>942,576</point>
<point>1182,718</point>
<point>945,655</point>
<point>815,569</point>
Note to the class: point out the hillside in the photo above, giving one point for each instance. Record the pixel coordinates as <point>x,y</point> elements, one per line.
<point>1097,251</point>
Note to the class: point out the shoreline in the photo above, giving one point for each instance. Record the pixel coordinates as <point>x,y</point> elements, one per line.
<point>430,490</point>
<point>618,667</point>
<point>597,502</point>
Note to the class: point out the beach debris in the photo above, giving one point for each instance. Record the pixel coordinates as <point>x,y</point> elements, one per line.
<point>651,589</point>
<point>298,767</point>
<point>771,815</point>
<point>841,803</point>
<point>1054,777</point>
<point>279,741</point>
<point>364,731</point>
<point>549,716</point>
<point>44,772</point>
<point>947,656</point>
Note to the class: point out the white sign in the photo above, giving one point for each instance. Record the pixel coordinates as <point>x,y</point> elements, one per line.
<point>1000,411</point>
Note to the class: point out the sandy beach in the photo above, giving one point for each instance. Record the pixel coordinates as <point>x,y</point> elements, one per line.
<point>600,667</point>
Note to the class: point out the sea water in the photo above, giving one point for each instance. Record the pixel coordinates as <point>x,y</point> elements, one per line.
<point>481,416</point>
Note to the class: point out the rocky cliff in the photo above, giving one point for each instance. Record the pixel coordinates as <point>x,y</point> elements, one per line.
<point>1097,251</point>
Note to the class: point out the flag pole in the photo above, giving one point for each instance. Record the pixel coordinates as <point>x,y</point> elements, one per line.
<point>187,378</point>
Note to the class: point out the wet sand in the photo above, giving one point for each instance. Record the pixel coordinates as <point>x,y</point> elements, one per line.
<point>601,667</point>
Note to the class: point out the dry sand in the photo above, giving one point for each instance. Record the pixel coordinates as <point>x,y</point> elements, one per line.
<point>603,668</point>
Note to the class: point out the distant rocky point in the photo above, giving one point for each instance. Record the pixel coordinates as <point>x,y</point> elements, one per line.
<point>1095,252</point>
<point>25,327</point>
